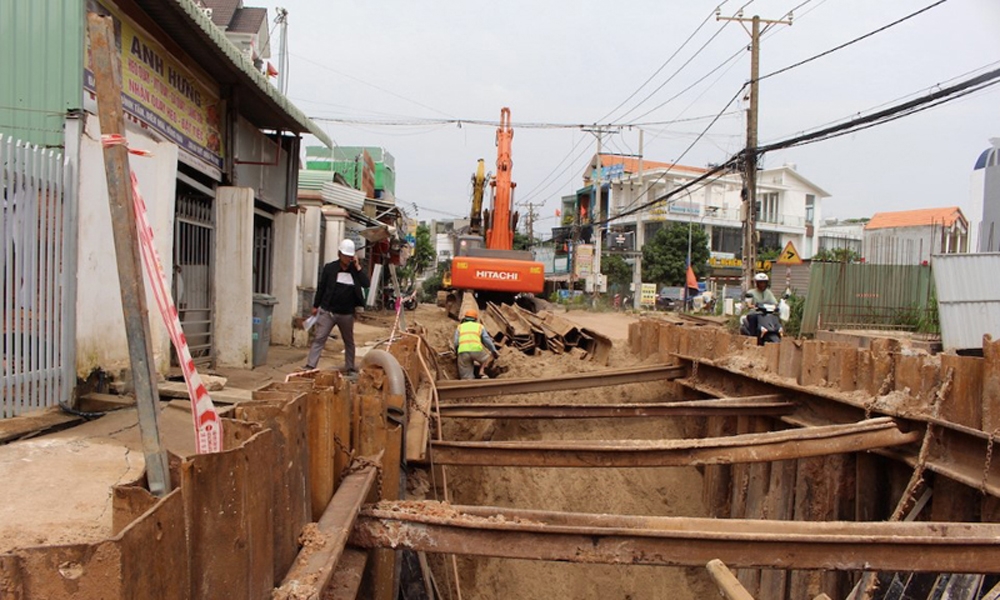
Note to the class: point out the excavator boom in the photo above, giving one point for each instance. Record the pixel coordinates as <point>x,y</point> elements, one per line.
<point>478,187</point>
<point>500,234</point>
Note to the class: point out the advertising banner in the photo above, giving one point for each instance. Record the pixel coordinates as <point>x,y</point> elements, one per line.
<point>162,93</point>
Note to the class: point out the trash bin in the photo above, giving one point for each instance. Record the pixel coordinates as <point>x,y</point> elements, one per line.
<point>263,305</point>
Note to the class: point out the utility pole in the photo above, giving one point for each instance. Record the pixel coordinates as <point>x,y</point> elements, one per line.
<point>750,154</point>
<point>282,19</point>
<point>595,212</point>
<point>639,239</point>
<point>531,223</point>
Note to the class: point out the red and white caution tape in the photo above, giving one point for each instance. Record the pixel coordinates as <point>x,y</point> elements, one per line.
<point>207,425</point>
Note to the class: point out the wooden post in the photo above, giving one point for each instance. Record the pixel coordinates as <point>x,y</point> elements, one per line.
<point>107,75</point>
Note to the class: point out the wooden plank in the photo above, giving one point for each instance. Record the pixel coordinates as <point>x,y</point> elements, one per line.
<point>154,552</point>
<point>35,422</point>
<point>319,416</point>
<point>346,581</point>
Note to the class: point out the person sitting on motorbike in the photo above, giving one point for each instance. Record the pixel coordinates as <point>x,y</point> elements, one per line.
<point>761,294</point>
<point>473,346</point>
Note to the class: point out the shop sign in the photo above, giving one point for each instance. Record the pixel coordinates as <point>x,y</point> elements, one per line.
<point>163,94</point>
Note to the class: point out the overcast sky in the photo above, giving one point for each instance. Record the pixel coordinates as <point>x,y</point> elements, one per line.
<point>573,62</point>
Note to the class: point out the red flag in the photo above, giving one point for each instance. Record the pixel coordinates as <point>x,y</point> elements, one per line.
<point>271,71</point>
<point>692,281</point>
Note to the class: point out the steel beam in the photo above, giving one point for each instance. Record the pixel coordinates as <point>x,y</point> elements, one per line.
<point>959,452</point>
<point>315,565</point>
<point>477,388</point>
<point>680,541</point>
<point>770,405</point>
<point>747,448</point>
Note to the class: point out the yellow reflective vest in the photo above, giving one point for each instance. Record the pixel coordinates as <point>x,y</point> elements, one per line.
<point>470,337</point>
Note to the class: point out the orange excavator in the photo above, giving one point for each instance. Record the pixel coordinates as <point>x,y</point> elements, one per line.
<point>488,266</point>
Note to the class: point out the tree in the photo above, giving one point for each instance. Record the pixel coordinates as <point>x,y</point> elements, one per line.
<point>423,255</point>
<point>618,272</point>
<point>522,242</point>
<point>841,255</point>
<point>664,257</point>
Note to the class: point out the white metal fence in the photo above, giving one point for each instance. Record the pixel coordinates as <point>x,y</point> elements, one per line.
<point>37,248</point>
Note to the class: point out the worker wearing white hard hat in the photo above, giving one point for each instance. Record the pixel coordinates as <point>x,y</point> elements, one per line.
<point>761,292</point>
<point>339,293</point>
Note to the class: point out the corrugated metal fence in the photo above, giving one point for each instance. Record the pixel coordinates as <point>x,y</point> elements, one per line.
<point>865,296</point>
<point>37,237</point>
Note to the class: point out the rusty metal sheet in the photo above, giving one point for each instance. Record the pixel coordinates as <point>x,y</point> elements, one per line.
<point>771,405</point>
<point>346,581</point>
<point>154,552</point>
<point>289,478</point>
<point>680,541</point>
<point>315,565</point>
<point>458,388</point>
<point>227,499</point>
<point>747,448</point>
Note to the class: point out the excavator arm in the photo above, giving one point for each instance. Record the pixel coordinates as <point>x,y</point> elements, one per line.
<point>500,232</point>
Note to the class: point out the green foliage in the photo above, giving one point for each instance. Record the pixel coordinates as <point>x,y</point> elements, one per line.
<point>432,284</point>
<point>771,254</point>
<point>522,241</point>
<point>841,255</point>
<point>567,220</point>
<point>664,257</point>
<point>797,304</point>
<point>422,258</point>
<point>618,272</point>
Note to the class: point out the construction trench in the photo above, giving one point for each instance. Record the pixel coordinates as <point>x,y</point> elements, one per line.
<point>682,463</point>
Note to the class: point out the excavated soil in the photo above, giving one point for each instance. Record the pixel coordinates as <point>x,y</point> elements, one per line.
<point>653,491</point>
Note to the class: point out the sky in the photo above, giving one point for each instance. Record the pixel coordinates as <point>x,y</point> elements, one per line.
<point>582,62</point>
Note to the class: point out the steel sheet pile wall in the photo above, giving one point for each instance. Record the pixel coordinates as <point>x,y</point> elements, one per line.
<point>230,530</point>
<point>840,383</point>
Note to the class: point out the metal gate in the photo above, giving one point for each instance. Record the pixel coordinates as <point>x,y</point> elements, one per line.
<point>37,285</point>
<point>263,252</point>
<point>194,243</point>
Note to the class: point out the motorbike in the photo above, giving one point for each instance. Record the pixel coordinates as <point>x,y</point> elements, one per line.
<point>763,322</point>
<point>768,324</point>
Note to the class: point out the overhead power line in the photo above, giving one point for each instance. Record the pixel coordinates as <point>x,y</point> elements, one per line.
<point>854,41</point>
<point>423,122</point>
<point>892,113</point>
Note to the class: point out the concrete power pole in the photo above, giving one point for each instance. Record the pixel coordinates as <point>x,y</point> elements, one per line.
<point>750,158</point>
<point>530,222</point>
<point>595,217</point>
<point>640,238</point>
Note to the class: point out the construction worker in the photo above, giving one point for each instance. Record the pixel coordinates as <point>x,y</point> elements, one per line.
<point>473,345</point>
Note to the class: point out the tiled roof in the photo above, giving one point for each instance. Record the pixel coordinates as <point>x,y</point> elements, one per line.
<point>916,218</point>
<point>247,20</point>
<point>631,164</point>
<point>222,11</point>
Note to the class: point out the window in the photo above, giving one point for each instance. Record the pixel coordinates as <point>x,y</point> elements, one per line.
<point>767,208</point>
<point>728,240</point>
<point>810,208</point>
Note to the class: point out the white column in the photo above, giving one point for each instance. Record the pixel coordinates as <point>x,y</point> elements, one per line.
<point>312,252</point>
<point>100,326</point>
<point>287,266</point>
<point>233,282</point>
<point>336,221</point>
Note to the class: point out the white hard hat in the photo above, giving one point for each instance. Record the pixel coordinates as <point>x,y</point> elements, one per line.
<point>760,277</point>
<point>347,248</point>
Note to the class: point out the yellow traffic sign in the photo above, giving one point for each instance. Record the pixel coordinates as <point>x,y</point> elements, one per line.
<point>789,256</point>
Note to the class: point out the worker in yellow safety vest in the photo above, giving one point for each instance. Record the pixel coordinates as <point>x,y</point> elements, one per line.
<point>473,345</point>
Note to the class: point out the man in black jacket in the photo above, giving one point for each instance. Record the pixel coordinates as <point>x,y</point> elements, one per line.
<point>338,294</point>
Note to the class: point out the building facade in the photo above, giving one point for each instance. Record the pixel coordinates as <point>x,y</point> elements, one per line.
<point>911,237</point>
<point>984,201</point>
<point>219,182</point>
